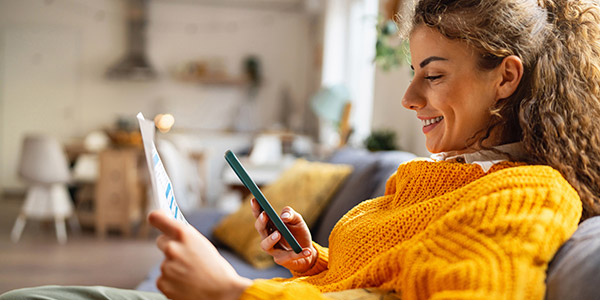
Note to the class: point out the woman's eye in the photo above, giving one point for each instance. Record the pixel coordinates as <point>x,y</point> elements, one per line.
<point>433,78</point>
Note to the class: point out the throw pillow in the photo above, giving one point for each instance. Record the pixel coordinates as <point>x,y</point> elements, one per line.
<point>573,272</point>
<point>305,186</point>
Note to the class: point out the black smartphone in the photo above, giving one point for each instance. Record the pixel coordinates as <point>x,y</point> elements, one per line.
<point>262,201</point>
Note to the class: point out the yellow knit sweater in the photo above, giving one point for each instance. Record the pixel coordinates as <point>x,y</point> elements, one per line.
<point>445,230</point>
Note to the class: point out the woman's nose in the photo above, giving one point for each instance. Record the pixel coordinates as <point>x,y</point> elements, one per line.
<point>412,99</point>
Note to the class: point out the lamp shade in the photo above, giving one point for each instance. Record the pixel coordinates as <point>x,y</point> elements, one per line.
<point>96,141</point>
<point>43,160</point>
<point>329,102</point>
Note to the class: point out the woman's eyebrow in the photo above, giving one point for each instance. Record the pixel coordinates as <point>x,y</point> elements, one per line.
<point>428,60</point>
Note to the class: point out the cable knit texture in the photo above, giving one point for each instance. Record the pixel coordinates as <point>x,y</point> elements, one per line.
<point>445,230</point>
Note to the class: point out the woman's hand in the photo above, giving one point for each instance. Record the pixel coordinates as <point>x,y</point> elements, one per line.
<point>276,246</point>
<point>193,268</point>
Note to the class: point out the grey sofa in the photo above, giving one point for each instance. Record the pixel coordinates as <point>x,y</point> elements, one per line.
<point>574,273</point>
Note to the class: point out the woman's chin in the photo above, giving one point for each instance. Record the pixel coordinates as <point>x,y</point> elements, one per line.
<point>433,148</point>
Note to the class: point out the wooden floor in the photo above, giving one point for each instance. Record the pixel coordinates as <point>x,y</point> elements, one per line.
<point>38,259</point>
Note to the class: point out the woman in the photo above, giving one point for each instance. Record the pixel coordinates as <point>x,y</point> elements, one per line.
<point>507,92</point>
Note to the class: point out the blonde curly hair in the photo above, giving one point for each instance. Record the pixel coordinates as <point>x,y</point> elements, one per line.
<point>555,107</point>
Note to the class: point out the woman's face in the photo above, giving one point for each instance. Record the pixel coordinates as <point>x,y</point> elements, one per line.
<point>451,96</point>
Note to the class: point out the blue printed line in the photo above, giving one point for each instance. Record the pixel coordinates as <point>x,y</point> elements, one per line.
<point>176,210</point>
<point>156,159</point>
<point>168,190</point>
<point>172,200</point>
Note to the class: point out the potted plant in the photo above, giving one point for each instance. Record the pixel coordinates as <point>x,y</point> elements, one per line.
<point>381,140</point>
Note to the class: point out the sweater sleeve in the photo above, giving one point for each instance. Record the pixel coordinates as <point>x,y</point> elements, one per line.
<point>495,243</point>
<point>274,289</point>
<point>320,265</point>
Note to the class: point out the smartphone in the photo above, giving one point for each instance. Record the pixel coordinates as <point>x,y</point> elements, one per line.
<point>262,201</point>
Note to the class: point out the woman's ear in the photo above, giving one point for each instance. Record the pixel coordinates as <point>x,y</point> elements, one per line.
<point>511,71</point>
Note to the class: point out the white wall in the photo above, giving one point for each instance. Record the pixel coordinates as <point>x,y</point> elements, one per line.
<point>67,46</point>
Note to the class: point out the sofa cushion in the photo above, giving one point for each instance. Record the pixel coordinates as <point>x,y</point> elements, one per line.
<point>305,186</point>
<point>574,272</point>
<point>357,188</point>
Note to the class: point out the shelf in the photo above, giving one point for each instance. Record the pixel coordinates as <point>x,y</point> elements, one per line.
<point>214,80</point>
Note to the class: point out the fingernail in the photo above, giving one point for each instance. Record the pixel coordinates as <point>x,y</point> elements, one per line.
<point>306,252</point>
<point>275,235</point>
<point>285,215</point>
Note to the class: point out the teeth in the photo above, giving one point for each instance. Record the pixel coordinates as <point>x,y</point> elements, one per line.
<point>432,121</point>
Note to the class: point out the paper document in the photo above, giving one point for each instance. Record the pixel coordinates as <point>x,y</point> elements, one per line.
<point>161,184</point>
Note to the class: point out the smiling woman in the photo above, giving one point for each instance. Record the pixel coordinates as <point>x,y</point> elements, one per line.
<point>507,91</point>
<point>556,44</point>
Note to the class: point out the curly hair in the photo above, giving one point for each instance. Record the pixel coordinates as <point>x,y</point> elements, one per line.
<point>555,107</point>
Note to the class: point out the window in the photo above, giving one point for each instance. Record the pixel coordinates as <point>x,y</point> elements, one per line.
<point>349,49</point>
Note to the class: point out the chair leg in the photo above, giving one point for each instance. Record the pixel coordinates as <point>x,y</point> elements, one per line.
<point>61,230</point>
<point>18,228</point>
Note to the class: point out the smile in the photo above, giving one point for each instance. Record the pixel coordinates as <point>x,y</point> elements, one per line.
<point>431,121</point>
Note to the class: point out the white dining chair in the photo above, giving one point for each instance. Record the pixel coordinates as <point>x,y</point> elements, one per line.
<point>44,167</point>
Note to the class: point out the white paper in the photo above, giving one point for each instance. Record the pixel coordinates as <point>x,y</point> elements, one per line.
<point>161,184</point>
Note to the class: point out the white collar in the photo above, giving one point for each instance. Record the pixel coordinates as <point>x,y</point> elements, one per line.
<point>484,158</point>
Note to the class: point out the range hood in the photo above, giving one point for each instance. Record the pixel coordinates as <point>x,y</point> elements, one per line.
<point>134,65</point>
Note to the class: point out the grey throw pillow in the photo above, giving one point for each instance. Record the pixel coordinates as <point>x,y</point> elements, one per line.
<point>574,272</point>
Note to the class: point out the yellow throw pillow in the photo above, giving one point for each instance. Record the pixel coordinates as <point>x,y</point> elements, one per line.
<point>305,186</point>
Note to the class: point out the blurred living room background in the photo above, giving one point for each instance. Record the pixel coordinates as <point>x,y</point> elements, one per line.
<point>272,80</point>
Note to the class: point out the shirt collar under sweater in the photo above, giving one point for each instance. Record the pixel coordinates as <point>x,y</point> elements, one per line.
<point>484,158</point>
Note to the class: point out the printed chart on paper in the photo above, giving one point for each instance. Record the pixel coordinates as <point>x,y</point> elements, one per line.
<point>161,184</point>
